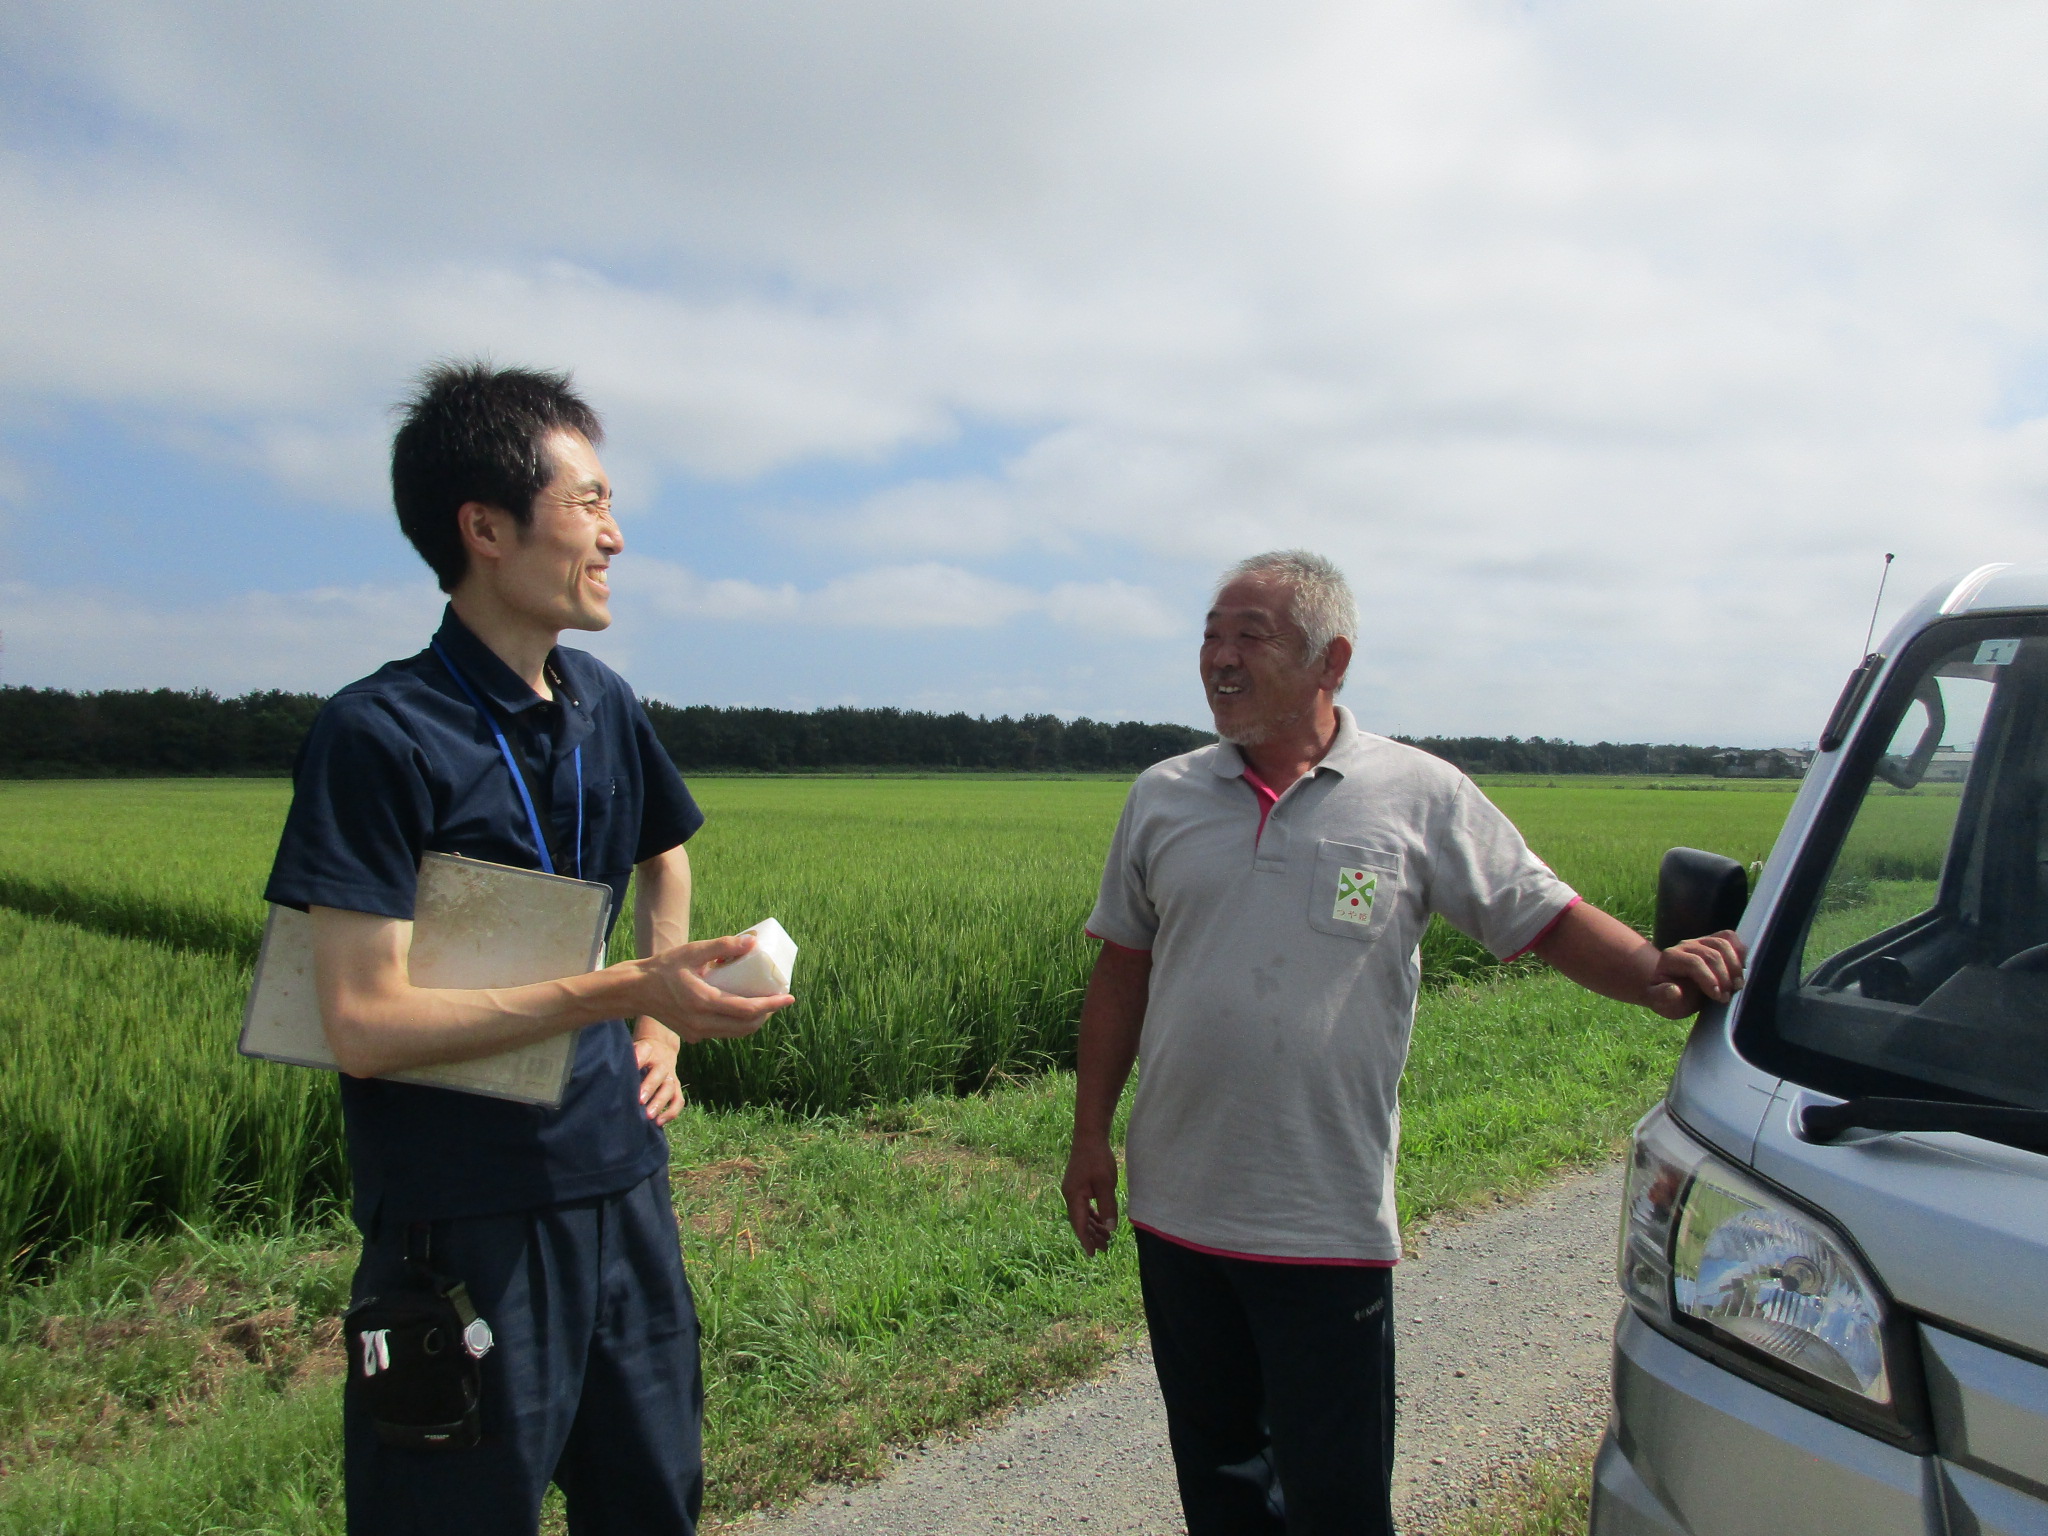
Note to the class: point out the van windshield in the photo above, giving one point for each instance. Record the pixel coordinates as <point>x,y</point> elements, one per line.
<point>1916,960</point>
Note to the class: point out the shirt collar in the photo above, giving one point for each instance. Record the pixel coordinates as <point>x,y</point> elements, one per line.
<point>1344,757</point>
<point>1225,761</point>
<point>1347,753</point>
<point>483,668</point>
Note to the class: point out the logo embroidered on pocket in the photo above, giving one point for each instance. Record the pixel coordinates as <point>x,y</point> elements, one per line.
<point>1355,891</point>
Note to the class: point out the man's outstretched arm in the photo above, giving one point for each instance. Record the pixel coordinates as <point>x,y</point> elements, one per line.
<point>1112,1014</point>
<point>1603,954</point>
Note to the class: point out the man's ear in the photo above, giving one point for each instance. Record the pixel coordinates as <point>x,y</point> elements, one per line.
<point>1336,662</point>
<point>486,530</point>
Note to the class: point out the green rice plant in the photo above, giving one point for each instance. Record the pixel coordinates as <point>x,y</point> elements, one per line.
<point>939,918</point>
<point>184,861</point>
<point>124,1107</point>
<point>180,861</point>
<point>867,1276</point>
<point>1889,867</point>
<point>1863,908</point>
<point>1900,834</point>
<point>940,924</point>
<point>1605,838</point>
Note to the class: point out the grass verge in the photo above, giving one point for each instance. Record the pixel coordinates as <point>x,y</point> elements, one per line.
<point>1548,1498</point>
<point>864,1280</point>
<point>1510,1080</point>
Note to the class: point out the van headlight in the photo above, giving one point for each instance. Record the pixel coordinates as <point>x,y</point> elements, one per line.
<point>1716,1258</point>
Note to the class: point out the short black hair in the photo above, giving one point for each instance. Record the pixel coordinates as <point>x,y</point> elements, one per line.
<point>472,432</point>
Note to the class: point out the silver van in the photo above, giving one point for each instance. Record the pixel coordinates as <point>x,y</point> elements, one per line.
<point>1834,1246</point>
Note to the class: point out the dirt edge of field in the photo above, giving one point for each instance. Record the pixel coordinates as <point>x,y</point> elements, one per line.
<point>1505,1318</point>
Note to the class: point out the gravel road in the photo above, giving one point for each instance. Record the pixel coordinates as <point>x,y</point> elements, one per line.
<point>1503,1325</point>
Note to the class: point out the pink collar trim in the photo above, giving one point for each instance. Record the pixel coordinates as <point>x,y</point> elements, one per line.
<point>1268,798</point>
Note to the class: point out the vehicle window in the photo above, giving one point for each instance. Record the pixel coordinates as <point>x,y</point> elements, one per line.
<point>1922,966</point>
<point>1890,863</point>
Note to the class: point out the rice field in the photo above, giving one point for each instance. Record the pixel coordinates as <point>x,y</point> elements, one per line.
<point>877,1241</point>
<point>124,1106</point>
<point>1900,834</point>
<point>940,922</point>
<point>1889,867</point>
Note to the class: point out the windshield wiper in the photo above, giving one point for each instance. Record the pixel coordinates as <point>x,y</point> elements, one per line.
<point>2024,1128</point>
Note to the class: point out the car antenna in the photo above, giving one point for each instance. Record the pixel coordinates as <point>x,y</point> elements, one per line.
<point>1871,633</point>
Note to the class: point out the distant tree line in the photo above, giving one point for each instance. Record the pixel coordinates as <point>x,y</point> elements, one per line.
<point>1511,754</point>
<point>49,733</point>
<point>701,736</point>
<point>53,733</point>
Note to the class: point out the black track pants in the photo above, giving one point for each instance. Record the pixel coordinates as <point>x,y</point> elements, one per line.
<point>1279,1388</point>
<point>593,1384</point>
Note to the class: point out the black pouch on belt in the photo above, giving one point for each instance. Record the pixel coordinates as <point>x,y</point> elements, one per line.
<point>413,1353</point>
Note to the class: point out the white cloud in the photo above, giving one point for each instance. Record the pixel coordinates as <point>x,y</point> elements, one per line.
<point>679,593</point>
<point>1606,345</point>
<point>971,516</point>
<point>928,596</point>
<point>312,641</point>
<point>894,597</point>
<point>1116,608</point>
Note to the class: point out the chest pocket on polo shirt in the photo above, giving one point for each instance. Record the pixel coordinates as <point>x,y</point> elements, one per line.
<point>1354,890</point>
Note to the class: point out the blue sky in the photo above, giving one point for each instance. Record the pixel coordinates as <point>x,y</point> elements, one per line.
<point>948,352</point>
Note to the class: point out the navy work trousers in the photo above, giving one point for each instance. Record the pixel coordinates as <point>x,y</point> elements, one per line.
<point>1279,1388</point>
<point>593,1383</point>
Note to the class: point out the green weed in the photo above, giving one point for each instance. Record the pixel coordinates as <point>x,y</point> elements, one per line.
<point>1550,1498</point>
<point>1509,1080</point>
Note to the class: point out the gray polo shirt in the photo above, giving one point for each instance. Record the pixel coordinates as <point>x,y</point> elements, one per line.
<point>1284,973</point>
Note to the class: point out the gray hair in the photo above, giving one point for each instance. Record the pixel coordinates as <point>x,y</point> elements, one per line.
<point>1319,598</point>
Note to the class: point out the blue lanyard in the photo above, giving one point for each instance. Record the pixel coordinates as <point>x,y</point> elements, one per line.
<point>540,841</point>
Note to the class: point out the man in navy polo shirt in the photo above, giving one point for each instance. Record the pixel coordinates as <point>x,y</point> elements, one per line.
<point>496,744</point>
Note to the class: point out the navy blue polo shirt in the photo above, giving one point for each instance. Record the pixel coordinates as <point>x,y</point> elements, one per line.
<point>401,764</point>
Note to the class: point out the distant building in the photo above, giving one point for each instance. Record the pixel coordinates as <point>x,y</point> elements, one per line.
<point>1764,763</point>
<point>1949,765</point>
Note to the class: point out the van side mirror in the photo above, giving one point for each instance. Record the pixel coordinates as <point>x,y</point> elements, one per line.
<point>1698,893</point>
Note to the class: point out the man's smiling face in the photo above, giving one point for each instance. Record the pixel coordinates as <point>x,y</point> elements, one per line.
<point>1253,670</point>
<point>558,569</point>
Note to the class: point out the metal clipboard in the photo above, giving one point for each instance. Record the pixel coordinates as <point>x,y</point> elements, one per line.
<point>475,924</point>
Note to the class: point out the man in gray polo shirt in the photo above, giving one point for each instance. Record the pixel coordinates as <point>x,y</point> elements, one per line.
<point>1259,918</point>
